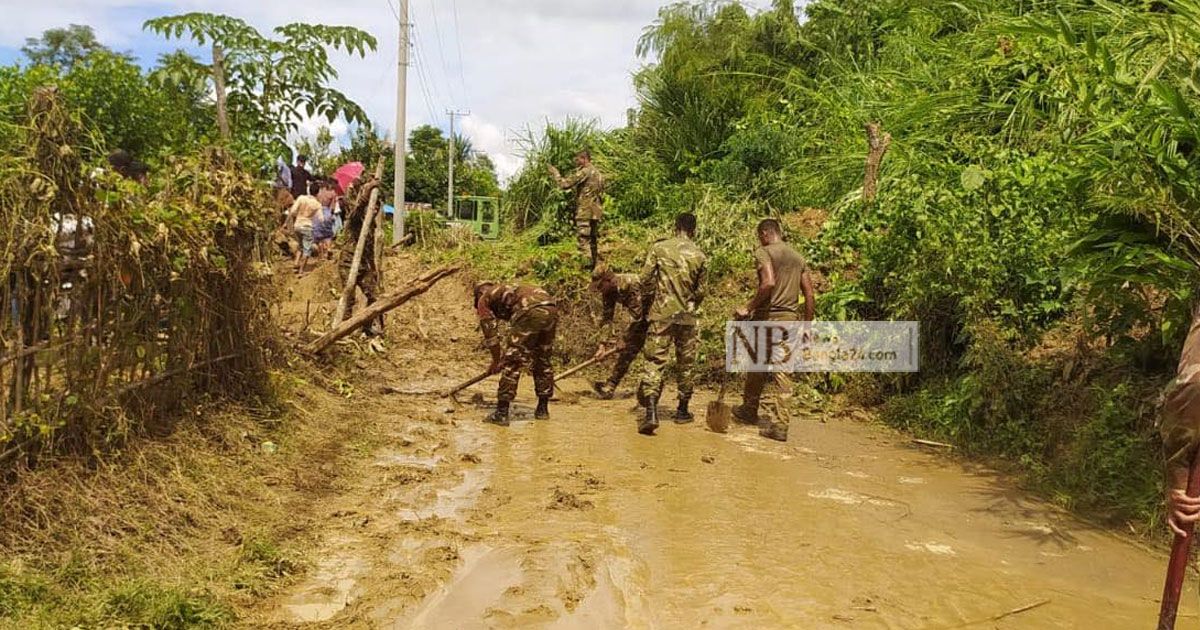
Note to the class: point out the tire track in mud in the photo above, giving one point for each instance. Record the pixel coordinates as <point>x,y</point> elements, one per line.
<point>578,522</point>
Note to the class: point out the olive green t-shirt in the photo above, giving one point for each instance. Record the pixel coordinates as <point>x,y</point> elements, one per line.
<point>789,268</point>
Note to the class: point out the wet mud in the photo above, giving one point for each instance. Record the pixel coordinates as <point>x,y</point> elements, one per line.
<point>579,522</point>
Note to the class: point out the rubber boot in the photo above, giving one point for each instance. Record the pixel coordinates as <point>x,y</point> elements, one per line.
<point>743,415</point>
<point>500,415</point>
<point>604,390</point>
<point>649,423</point>
<point>543,409</point>
<point>682,415</point>
<point>772,432</point>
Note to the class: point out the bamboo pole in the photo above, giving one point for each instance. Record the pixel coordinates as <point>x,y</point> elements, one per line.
<point>363,234</point>
<point>385,304</point>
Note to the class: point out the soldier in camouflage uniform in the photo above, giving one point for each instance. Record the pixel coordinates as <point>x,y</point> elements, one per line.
<point>533,319</point>
<point>1181,431</point>
<point>624,289</point>
<point>357,198</point>
<point>783,279</point>
<point>588,185</point>
<point>674,275</point>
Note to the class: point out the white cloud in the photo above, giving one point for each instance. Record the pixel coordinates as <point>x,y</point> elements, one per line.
<point>523,61</point>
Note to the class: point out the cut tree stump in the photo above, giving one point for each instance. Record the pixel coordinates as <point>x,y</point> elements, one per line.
<point>878,142</point>
<point>385,304</point>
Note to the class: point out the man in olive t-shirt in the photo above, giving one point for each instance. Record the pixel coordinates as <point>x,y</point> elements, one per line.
<point>782,278</point>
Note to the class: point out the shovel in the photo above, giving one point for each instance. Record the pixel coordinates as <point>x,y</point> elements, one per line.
<point>718,416</point>
<point>586,364</point>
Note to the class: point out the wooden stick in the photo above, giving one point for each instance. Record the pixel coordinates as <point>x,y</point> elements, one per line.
<point>356,264</point>
<point>482,377</point>
<point>385,304</point>
<point>173,373</point>
<point>1177,567</point>
<point>933,444</point>
<point>586,364</point>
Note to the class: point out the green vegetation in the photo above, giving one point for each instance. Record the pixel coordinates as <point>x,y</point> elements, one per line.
<point>1035,211</point>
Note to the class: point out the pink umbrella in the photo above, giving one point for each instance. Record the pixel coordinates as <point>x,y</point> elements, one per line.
<point>346,174</point>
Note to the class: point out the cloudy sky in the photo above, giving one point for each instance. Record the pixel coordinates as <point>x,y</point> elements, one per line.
<point>511,63</point>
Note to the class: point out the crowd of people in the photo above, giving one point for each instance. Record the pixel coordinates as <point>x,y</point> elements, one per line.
<point>311,214</point>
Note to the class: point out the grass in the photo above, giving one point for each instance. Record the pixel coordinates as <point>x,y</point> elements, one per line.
<point>186,531</point>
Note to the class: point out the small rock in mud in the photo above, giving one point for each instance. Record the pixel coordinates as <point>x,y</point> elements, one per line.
<point>472,458</point>
<point>708,459</point>
<point>444,553</point>
<point>449,410</point>
<point>477,399</point>
<point>567,501</point>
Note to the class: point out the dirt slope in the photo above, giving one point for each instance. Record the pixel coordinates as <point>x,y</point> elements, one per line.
<point>578,522</point>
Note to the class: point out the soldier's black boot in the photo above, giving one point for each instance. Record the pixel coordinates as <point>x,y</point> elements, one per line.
<point>543,409</point>
<point>682,415</point>
<point>500,415</point>
<point>604,390</point>
<point>649,423</point>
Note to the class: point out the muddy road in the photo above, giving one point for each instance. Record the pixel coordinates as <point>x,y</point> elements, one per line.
<point>578,522</point>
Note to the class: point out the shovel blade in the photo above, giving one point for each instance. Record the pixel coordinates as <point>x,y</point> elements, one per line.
<point>718,416</point>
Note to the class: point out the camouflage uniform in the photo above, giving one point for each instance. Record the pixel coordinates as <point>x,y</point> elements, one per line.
<point>1181,407</point>
<point>627,293</point>
<point>588,185</point>
<point>674,275</point>
<point>533,321</point>
<point>368,275</point>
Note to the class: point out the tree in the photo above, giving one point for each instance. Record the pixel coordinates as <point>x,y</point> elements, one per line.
<point>264,85</point>
<point>319,149</point>
<point>62,47</point>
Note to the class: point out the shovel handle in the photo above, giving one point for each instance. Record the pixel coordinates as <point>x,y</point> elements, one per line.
<point>467,384</point>
<point>1177,569</point>
<point>586,364</point>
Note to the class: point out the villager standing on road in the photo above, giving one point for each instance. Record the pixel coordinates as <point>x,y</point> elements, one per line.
<point>532,316</point>
<point>356,200</point>
<point>783,278</point>
<point>303,217</point>
<point>624,289</point>
<point>588,184</point>
<point>674,274</point>
<point>300,177</point>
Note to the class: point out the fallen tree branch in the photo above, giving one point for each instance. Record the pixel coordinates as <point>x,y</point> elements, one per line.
<point>385,304</point>
<point>932,443</point>
<point>365,233</point>
<point>165,376</point>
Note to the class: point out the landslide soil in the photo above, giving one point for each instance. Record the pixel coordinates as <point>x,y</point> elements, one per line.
<point>578,522</point>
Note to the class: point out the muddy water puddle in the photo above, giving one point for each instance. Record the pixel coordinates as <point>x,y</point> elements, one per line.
<point>842,527</point>
<point>579,522</point>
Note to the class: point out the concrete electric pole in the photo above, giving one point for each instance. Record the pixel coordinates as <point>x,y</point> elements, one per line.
<point>401,140</point>
<point>451,151</point>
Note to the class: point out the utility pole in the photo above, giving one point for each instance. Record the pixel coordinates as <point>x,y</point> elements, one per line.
<point>451,151</point>
<point>401,141</point>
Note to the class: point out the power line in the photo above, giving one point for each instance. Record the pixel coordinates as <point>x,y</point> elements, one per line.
<point>458,41</point>
<point>428,92</point>
<point>422,82</point>
<point>441,46</point>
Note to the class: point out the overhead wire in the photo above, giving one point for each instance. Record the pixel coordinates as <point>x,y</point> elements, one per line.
<point>441,46</point>
<point>423,83</point>
<point>458,41</point>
